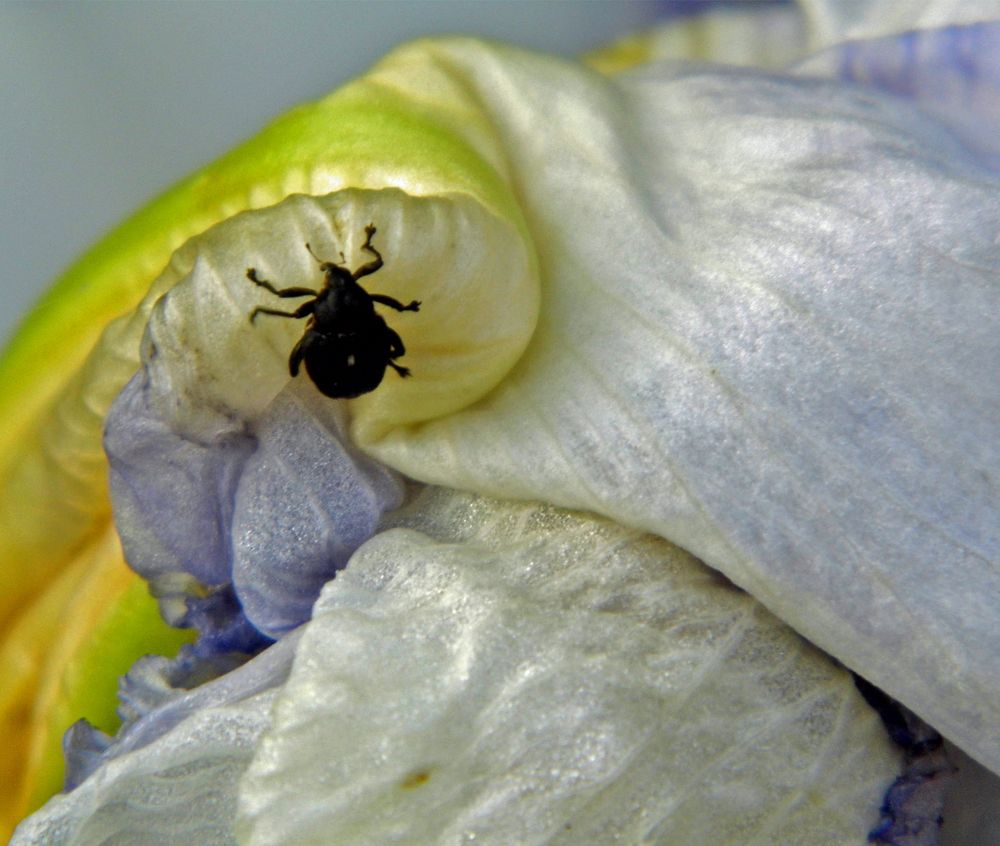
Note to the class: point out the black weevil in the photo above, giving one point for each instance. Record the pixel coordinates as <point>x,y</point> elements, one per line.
<point>347,345</point>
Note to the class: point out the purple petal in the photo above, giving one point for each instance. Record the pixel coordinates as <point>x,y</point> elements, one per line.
<point>258,514</point>
<point>155,700</point>
<point>173,497</point>
<point>952,73</point>
<point>305,501</point>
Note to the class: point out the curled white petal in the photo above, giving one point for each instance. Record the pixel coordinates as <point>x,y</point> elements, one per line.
<point>209,365</point>
<point>226,468</point>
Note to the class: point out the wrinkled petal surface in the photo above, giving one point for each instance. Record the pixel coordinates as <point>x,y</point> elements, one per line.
<point>506,673</point>
<point>171,774</point>
<point>157,697</point>
<point>768,333</point>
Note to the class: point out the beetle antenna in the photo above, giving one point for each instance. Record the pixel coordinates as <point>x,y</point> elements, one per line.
<point>318,259</point>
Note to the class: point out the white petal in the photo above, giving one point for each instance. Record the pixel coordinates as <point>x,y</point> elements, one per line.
<point>210,368</point>
<point>770,333</point>
<point>520,675</point>
<point>170,776</point>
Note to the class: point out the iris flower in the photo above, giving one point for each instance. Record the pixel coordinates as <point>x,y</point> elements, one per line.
<point>684,528</point>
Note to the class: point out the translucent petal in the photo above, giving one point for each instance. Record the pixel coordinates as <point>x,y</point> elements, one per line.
<point>506,673</point>
<point>770,334</point>
<point>173,497</point>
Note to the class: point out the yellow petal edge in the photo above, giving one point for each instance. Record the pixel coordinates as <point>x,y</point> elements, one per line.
<point>409,125</point>
<point>61,661</point>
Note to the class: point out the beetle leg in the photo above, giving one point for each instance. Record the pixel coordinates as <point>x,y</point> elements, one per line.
<point>372,266</point>
<point>303,310</point>
<point>396,348</point>
<point>299,353</point>
<point>280,292</point>
<point>392,302</point>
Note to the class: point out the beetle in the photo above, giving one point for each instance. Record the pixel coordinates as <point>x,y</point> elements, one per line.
<point>347,345</point>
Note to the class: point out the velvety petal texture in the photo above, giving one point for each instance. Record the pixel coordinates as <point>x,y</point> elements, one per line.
<point>771,334</point>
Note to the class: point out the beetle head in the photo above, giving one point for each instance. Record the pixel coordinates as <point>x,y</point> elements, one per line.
<point>326,266</point>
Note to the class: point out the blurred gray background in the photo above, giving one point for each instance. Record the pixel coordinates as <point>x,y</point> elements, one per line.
<point>103,105</point>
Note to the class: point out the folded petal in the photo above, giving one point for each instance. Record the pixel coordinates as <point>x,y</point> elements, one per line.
<point>305,501</point>
<point>171,774</point>
<point>770,334</point>
<point>66,364</point>
<point>767,332</point>
<point>157,695</point>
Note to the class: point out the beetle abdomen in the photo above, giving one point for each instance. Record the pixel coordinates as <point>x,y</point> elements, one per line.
<point>347,365</point>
